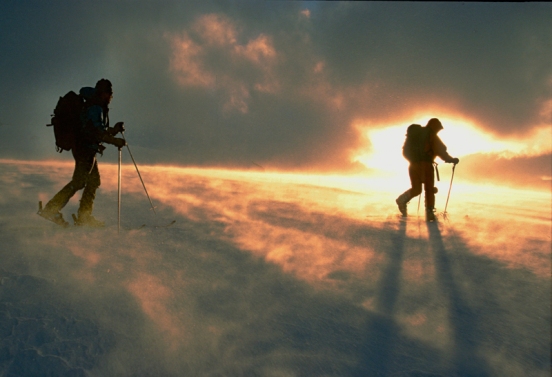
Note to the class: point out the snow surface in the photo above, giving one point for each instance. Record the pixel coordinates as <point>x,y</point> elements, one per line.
<point>271,275</point>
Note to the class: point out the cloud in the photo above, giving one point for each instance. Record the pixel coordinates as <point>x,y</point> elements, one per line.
<point>476,59</point>
<point>279,84</point>
<point>186,65</point>
<point>216,61</point>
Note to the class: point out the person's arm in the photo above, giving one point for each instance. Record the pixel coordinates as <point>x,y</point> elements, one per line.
<point>440,150</point>
<point>99,129</point>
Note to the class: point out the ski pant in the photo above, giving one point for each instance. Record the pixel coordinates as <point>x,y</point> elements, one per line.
<point>421,173</point>
<point>85,176</point>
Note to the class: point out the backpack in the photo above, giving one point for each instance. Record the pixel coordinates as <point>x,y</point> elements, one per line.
<point>415,143</point>
<point>66,120</point>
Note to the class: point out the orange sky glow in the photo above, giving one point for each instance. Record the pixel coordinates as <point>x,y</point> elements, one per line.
<point>462,138</point>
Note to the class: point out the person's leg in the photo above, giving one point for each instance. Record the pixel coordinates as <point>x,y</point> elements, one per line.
<point>51,210</point>
<point>84,214</point>
<point>429,189</point>
<point>89,194</point>
<point>61,199</point>
<point>415,189</point>
<point>416,175</point>
<point>77,183</point>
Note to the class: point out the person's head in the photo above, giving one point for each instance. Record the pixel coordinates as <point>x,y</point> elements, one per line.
<point>435,125</point>
<point>104,90</point>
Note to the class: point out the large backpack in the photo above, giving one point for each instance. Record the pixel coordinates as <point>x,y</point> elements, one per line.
<point>414,148</point>
<point>66,120</point>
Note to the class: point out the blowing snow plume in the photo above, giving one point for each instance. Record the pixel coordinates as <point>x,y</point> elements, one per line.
<point>271,274</point>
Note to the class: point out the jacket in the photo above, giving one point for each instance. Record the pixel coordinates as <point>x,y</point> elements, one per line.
<point>94,120</point>
<point>436,148</point>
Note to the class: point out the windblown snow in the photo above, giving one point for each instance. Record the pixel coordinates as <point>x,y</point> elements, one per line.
<point>267,274</point>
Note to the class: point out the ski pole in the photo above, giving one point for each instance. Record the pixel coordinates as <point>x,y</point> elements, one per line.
<point>119,195</point>
<point>138,171</point>
<point>450,187</point>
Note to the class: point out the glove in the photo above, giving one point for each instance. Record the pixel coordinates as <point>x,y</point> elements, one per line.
<point>116,129</point>
<point>119,127</point>
<point>118,142</point>
<point>455,161</point>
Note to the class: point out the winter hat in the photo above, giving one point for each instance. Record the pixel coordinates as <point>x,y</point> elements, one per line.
<point>104,86</point>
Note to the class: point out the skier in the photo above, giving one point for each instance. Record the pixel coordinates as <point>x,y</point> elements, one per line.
<point>95,131</point>
<point>421,169</point>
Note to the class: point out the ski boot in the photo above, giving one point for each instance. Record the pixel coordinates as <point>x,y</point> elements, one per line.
<point>430,215</point>
<point>54,216</point>
<point>88,220</point>
<point>402,201</point>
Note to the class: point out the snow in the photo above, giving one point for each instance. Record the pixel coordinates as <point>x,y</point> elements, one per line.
<point>267,274</point>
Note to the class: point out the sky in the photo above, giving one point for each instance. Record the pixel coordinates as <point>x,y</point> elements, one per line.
<point>288,85</point>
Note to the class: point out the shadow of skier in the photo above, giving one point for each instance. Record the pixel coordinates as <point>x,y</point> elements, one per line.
<point>463,321</point>
<point>382,330</point>
<point>388,290</point>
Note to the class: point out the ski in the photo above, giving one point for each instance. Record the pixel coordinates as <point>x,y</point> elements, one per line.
<point>164,226</point>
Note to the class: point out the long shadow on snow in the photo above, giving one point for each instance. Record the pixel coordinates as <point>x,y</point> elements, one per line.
<point>492,306</point>
<point>463,320</point>
<point>312,323</point>
<point>294,216</point>
<point>386,350</point>
<point>285,320</point>
<point>382,334</point>
<point>500,297</point>
<point>278,320</point>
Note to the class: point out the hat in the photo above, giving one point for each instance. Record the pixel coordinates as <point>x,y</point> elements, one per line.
<point>435,124</point>
<point>104,86</point>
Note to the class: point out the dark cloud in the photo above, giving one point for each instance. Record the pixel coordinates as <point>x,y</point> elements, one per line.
<point>488,61</point>
<point>282,87</point>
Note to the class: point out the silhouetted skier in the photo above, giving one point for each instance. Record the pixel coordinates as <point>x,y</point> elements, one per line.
<point>94,131</point>
<point>421,147</point>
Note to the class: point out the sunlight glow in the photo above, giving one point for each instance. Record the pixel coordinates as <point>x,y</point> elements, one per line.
<point>310,225</point>
<point>461,137</point>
